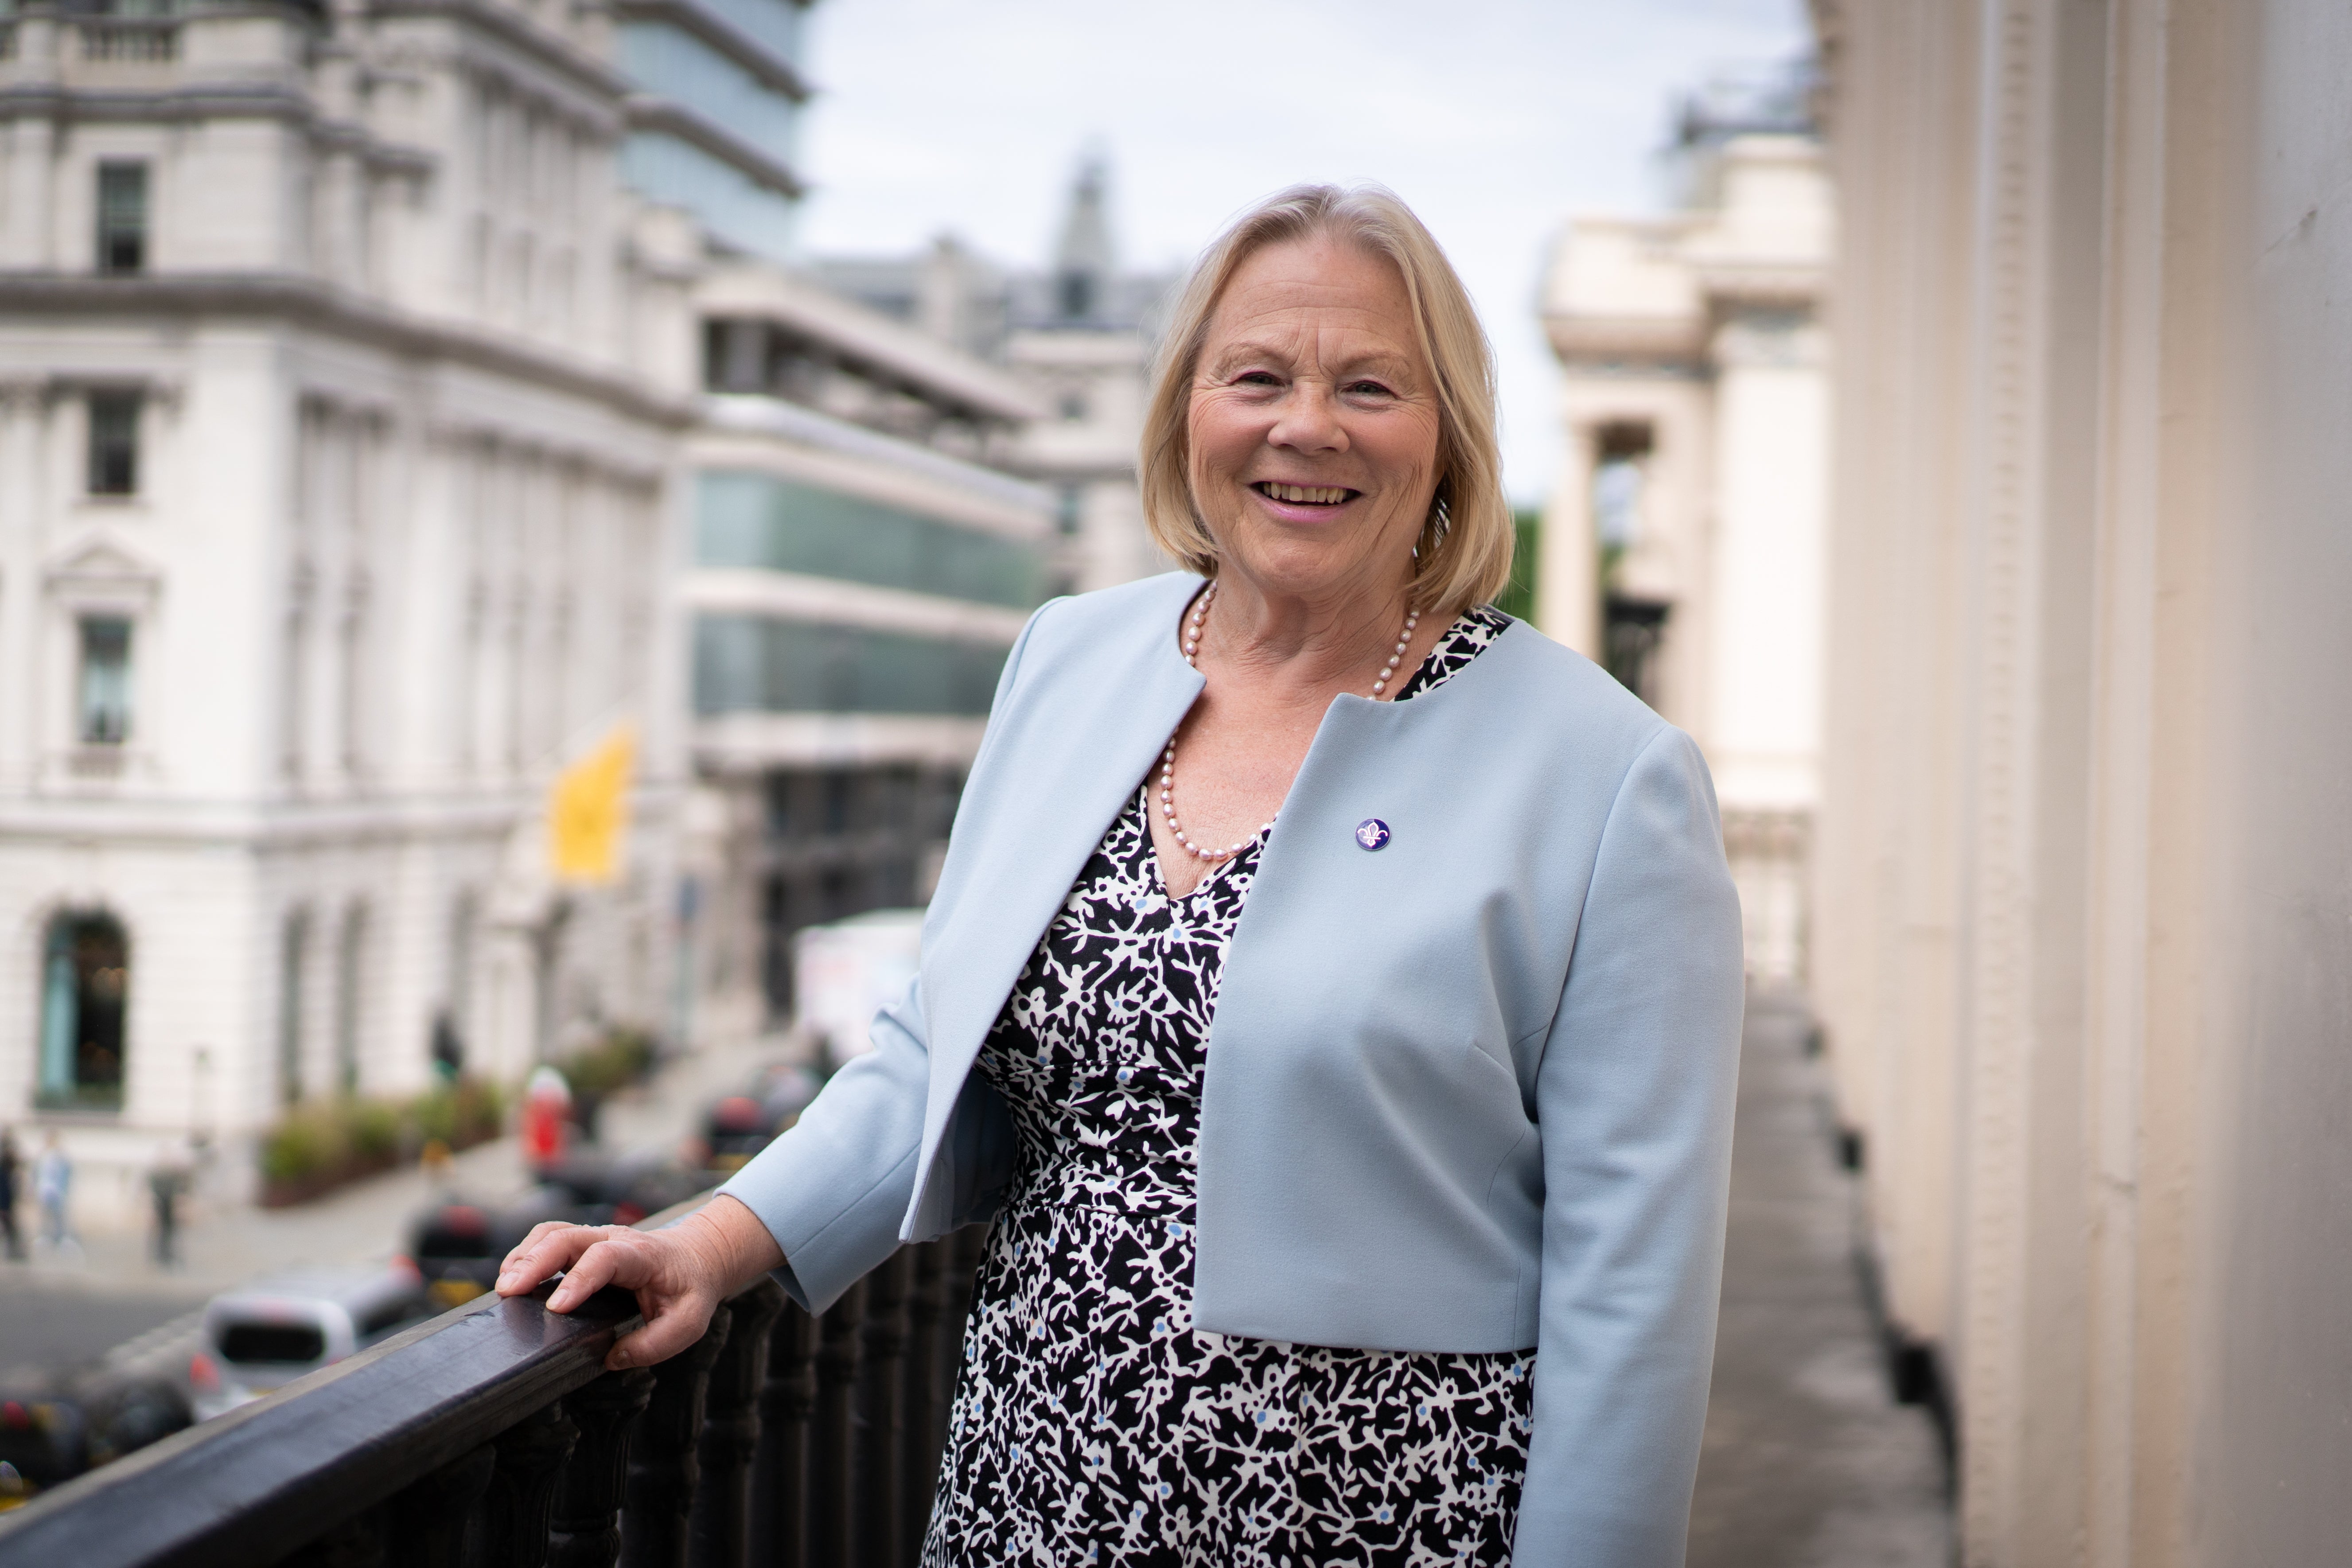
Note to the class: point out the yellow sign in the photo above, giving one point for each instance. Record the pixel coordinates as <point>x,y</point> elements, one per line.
<point>588,811</point>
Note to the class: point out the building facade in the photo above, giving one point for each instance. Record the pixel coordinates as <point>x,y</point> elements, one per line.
<point>860,564</point>
<point>1683,547</point>
<point>1079,337</point>
<point>339,394</point>
<point>713,113</point>
<point>2083,906</point>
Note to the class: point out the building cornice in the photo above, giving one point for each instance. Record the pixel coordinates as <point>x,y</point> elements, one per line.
<point>1676,343</point>
<point>833,601</point>
<point>643,111</point>
<point>180,105</point>
<point>511,27</point>
<point>309,302</point>
<point>751,414</point>
<point>774,72</point>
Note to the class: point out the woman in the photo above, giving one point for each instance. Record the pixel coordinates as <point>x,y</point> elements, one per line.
<point>1332,993</point>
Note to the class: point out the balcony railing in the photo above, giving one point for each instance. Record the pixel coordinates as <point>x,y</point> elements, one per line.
<point>492,1438</point>
<point>134,40</point>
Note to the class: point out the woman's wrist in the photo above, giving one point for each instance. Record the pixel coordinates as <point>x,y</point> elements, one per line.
<point>733,1247</point>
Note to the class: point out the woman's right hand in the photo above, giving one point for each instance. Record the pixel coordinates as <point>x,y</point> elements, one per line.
<point>678,1275</point>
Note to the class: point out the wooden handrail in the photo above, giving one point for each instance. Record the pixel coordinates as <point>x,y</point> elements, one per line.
<point>257,1483</point>
<point>492,1438</point>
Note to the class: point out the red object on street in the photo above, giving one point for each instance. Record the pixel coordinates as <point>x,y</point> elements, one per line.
<point>546,1124</point>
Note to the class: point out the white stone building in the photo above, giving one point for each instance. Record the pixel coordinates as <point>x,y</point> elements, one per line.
<point>2083,937</point>
<point>340,401</point>
<point>1683,546</point>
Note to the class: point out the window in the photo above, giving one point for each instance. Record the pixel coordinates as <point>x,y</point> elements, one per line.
<point>113,443</point>
<point>771,665</point>
<point>1619,474</point>
<point>350,957</point>
<point>293,953</point>
<point>1073,406</point>
<point>85,980</point>
<point>105,680</point>
<point>121,218</point>
<point>778,525</point>
<point>1069,509</point>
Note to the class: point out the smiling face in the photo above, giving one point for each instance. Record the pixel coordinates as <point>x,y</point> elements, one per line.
<point>1313,425</point>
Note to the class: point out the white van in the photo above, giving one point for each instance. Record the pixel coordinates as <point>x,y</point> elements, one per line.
<point>843,972</point>
<point>274,1331</point>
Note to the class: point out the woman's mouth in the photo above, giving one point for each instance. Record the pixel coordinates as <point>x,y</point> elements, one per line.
<point>1305,495</point>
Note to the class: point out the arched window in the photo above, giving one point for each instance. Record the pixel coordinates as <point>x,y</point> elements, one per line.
<point>85,983</point>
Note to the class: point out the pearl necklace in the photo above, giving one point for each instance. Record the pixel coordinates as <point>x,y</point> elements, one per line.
<point>1168,757</point>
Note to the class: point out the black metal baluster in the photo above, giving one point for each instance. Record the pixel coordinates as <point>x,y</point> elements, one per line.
<point>920,1437</point>
<point>585,1530</point>
<point>832,1502</point>
<point>428,1517</point>
<point>780,1497</point>
<point>881,1403</point>
<point>357,1543</point>
<point>663,1469</point>
<point>720,1525</point>
<point>522,1488</point>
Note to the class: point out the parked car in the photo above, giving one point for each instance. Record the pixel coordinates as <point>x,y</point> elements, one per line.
<point>52,1429</point>
<point>270,1333</point>
<point>457,1245</point>
<point>739,1125</point>
<point>44,1438</point>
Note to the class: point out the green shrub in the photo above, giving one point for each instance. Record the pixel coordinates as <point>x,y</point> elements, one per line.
<point>321,1142</point>
<point>308,1141</point>
<point>372,1130</point>
<point>619,1060</point>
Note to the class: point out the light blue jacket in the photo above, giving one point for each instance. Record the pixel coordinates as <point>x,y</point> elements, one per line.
<point>1471,1091</point>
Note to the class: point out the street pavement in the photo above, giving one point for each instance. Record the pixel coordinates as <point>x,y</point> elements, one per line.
<point>61,1310</point>
<point>1807,1461</point>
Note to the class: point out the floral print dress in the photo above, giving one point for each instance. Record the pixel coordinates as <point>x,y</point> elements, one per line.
<point>1093,1424</point>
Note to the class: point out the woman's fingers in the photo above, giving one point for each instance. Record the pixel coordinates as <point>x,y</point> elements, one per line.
<point>612,1257</point>
<point>548,1250</point>
<point>670,1328</point>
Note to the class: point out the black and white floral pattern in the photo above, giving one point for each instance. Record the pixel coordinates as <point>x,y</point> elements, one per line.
<point>1093,1423</point>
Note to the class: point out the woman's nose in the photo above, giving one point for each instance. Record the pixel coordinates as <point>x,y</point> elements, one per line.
<point>1309,420</point>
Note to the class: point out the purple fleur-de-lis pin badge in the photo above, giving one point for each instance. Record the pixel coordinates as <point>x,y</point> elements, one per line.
<point>1371,833</point>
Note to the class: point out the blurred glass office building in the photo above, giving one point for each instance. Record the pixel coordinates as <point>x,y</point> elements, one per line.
<point>856,559</point>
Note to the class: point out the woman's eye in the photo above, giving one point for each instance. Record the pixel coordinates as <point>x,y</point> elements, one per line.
<point>1368,389</point>
<point>1256,378</point>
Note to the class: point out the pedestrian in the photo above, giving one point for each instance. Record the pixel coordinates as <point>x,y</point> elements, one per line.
<point>52,1181</point>
<point>1358,1173</point>
<point>10,1167</point>
<point>167,1179</point>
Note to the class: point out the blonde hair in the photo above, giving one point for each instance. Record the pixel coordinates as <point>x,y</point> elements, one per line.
<point>1465,548</point>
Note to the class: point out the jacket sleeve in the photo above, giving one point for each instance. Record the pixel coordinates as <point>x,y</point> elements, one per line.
<point>1634,1101</point>
<point>833,1189</point>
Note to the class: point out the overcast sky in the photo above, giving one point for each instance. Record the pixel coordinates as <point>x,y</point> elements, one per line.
<point>1495,119</point>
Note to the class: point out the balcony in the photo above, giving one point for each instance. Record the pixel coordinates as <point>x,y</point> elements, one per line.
<point>492,1438</point>
<point>135,40</point>
<point>90,46</point>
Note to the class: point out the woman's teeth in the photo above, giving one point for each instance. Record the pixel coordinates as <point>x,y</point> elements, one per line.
<point>1316,495</point>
